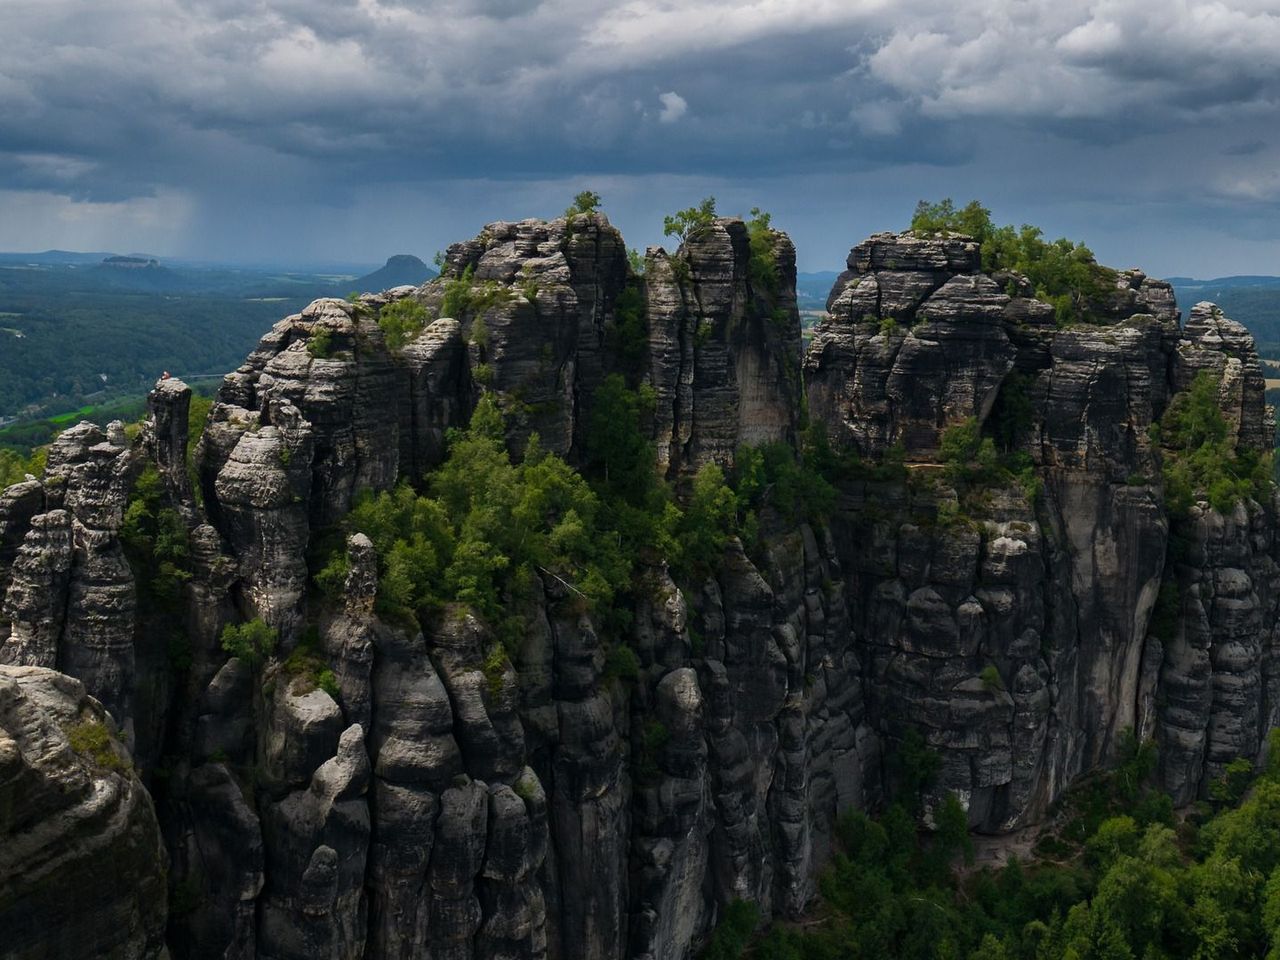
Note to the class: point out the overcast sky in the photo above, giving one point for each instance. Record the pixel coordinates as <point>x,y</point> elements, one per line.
<point>308,130</point>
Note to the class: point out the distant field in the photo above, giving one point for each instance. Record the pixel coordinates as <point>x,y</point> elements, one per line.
<point>25,435</point>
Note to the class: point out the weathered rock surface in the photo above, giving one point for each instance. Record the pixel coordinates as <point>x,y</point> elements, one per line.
<point>385,789</point>
<point>82,868</point>
<point>723,343</point>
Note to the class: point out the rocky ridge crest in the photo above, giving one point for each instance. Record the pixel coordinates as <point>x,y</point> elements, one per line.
<point>422,803</point>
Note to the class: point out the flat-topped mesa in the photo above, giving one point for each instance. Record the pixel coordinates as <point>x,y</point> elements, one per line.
<point>919,339</point>
<point>724,344</point>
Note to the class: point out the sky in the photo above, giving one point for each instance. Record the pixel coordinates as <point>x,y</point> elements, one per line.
<point>300,131</point>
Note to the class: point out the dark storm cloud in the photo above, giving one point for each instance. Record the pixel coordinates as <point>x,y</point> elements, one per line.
<point>324,103</point>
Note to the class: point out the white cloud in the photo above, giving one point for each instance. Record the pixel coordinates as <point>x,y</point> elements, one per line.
<point>674,107</point>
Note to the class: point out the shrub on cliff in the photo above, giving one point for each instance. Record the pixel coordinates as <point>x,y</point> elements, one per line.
<point>155,541</point>
<point>252,642</point>
<point>762,266</point>
<point>487,526</point>
<point>401,321</point>
<point>585,202</point>
<point>1063,273</point>
<point>1200,459</point>
<point>690,222</point>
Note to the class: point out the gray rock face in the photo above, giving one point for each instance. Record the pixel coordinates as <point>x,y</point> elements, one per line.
<point>916,341</point>
<point>723,346</point>
<point>538,304</point>
<point>69,601</point>
<point>75,829</point>
<point>373,789</point>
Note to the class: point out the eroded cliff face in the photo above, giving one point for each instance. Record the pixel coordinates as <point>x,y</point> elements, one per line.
<point>391,790</point>
<point>82,867</point>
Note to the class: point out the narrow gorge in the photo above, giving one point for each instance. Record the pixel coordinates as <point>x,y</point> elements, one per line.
<point>1001,571</point>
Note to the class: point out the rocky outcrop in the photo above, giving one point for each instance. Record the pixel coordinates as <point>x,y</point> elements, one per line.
<point>82,869</point>
<point>70,599</point>
<point>724,334</point>
<point>383,786</point>
<point>537,302</point>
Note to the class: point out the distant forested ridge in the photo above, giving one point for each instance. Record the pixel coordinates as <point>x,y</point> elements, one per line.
<point>83,329</point>
<point>1254,301</point>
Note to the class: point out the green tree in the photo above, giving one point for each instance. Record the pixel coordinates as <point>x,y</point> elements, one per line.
<point>762,266</point>
<point>709,521</point>
<point>155,541</point>
<point>401,321</point>
<point>690,222</point>
<point>1200,458</point>
<point>585,202</point>
<point>253,642</point>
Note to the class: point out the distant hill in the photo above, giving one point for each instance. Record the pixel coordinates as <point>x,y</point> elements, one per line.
<point>50,258</point>
<point>402,269</point>
<point>1222,283</point>
<point>812,289</point>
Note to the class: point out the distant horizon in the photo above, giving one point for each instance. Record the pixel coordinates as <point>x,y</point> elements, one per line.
<point>358,268</point>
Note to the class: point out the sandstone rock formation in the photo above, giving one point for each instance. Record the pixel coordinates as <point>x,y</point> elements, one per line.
<point>82,868</point>
<point>384,789</point>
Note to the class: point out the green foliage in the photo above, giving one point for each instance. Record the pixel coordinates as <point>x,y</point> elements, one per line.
<point>197,417</point>
<point>305,667</point>
<point>654,736</point>
<point>621,468</point>
<point>495,668</point>
<point>331,578</point>
<point>14,467</point>
<point>733,932</point>
<point>1013,414</point>
<point>252,642</point>
<point>1063,273</point>
<point>457,294</point>
<point>914,768</point>
<point>1200,460</point>
<point>91,740</point>
<point>485,529</point>
<point>692,221</point>
<point>970,457</point>
<point>1167,612</point>
<point>709,521</point>
<point>328,682</point>
<point>621,663</point>
<point>1228,789</point>
<point>773,476</point>
<point>762,266</point>
<point>155,542</point>
<point>1129,886</point>
<point>973,462</point>
<point>627,338</point>
<point>402,320</point>
<point>321,343</point>
<point>991,679</point>
<point>588,201</point>
<point>888,326</point>
<point>942,217</point>
<point>635,260</point>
